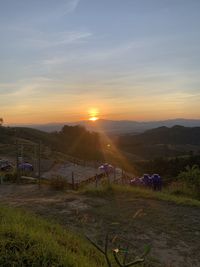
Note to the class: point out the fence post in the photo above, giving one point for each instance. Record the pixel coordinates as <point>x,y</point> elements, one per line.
<point>114,174</point>
<point>96,180</point>
<point>122,176</point>
<point>17,161</point>
<point>39,163</point>
<point>73,185</point>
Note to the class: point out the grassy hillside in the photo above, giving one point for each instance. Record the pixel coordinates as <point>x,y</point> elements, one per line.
<point>131,216</point>
<point>26,240</point>
<point>10,134</point>
<point>72,140</point>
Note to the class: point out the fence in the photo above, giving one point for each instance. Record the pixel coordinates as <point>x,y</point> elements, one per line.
<point>124,179</point>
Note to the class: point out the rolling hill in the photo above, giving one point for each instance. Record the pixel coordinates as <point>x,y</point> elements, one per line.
<point>162,141</point>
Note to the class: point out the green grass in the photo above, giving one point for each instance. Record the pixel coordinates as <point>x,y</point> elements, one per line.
<point>137,192</point>
<point>27,240</point>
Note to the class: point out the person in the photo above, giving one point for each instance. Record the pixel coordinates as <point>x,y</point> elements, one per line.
<point>147,180</point>
<point>157,182</point>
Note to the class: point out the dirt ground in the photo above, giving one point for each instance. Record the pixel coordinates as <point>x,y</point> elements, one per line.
<point>172,231</point>
<point>80,173</point>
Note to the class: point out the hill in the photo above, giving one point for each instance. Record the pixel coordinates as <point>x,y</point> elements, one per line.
<point>162,141</point>
<point>176,135</point>
<point>72,140</point>
<point>78,142</point>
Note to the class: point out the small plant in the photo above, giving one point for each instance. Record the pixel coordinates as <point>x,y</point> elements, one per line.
<point>58,182</point>
<point>116,251</point>
<point>10,176</point>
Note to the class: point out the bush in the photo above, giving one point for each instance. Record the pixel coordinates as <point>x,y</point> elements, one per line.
<point>180,188</point>
<point>10,176</point>
<point>58,182</point>
<point>191,176</point>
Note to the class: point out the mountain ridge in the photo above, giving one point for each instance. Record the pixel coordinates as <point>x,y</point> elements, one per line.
<point>116,126</point>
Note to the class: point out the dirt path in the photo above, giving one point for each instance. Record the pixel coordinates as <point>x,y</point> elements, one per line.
<point>173,231</point>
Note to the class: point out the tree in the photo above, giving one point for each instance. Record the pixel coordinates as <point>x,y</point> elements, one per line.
<point>1,121</point>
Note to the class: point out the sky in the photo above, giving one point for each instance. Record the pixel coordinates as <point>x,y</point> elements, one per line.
<point>126,59</point>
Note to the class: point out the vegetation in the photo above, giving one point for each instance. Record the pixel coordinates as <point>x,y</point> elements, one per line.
<point>191,176</point>
<point>138,192</point>
<point>80,143</point>
<point>169,168</point>
<point>162,142</point>
<point>58,182</point>
<point>116,251</point>
<point>77,141</point>
<point>1,121</point>
<point>26,240</point>
<point>71,140</point>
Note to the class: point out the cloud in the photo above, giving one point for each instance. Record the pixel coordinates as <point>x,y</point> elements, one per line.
<point>57,39</point>
<point>71,5</point>
<point>91,57</point>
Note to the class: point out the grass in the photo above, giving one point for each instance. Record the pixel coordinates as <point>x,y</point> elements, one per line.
<point>27,240</point>
<point>138,192</point>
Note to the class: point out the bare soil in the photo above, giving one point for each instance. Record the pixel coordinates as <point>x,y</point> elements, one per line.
<point>172,230</point>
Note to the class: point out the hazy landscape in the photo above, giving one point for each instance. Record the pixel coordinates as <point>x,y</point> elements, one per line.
<point>99,133</point>
<point>116,127</point>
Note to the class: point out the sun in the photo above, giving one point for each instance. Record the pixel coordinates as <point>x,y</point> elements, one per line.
<point>93,119</point>
<point>93,114</point>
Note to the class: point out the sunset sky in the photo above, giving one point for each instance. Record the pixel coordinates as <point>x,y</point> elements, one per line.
<point>126,59</point>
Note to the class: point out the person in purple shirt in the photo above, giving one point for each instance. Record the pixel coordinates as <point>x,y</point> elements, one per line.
<point>157,182</point>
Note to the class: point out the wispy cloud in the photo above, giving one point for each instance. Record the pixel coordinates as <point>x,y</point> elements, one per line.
<point>42,40</point>
<point>88,57</point>
<point>71,5</point>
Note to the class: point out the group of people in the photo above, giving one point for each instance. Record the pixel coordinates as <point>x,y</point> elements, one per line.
<point>106,168</point>
<point>151,181</point>
<point>25,166</point>
<point>5,165</point>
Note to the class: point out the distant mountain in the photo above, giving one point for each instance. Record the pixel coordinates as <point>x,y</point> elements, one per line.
<point>176,135</point>
<point>118,127</point>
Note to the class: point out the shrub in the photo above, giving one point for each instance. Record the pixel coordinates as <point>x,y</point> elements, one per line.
<point>58,182</point>
<point>191,176</point>
<point>10,176</point>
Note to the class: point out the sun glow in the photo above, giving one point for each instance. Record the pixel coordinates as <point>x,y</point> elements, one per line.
<point>93,114</point>
<point>93,119</point>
